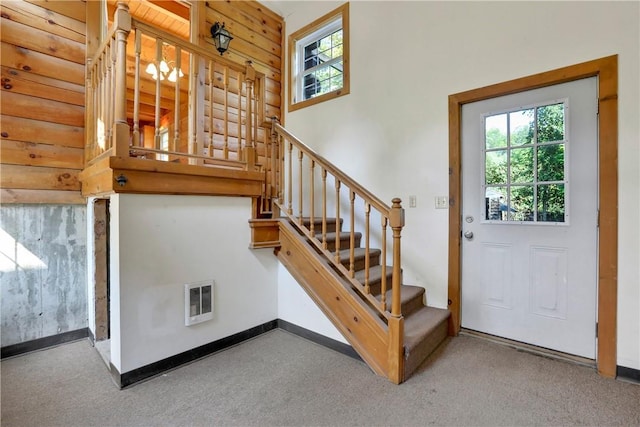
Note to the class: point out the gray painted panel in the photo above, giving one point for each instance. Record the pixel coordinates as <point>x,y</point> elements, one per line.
<point>42,271</point>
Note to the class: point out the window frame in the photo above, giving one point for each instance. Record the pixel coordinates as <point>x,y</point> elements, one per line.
<point>317,29</point>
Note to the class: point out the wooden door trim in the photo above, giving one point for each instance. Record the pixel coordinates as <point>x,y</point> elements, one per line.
<point>606,69</point>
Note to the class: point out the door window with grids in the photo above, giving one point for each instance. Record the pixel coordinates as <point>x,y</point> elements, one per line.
<point>525,167</point>
<point>319,65</point>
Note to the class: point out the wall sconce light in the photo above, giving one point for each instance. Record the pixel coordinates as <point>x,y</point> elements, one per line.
<point>221,37</point>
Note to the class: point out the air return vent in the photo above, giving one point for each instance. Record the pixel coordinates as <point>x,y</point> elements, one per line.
<point>198,302</point>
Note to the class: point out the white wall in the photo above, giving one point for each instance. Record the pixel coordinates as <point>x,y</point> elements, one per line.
<point>167,241</point>
<point>295,306</point>
<point>407,57</point>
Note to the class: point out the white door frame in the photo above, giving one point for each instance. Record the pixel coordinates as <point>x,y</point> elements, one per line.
<point>606,69</point>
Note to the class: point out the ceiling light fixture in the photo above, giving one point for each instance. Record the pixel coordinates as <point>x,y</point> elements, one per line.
<point>167,70</point>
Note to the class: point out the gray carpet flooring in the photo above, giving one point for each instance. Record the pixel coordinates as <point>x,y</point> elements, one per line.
<point>279,379</point>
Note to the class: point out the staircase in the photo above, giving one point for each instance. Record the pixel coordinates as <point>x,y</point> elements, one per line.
<point>424,327</point>
<point>349,262</point>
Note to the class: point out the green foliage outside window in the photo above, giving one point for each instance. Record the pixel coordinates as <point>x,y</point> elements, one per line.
<point>528,163</point>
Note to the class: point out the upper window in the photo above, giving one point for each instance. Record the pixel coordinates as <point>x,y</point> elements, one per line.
<point>319,65</point>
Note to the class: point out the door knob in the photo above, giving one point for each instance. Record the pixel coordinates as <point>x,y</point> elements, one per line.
<point>468,235</point>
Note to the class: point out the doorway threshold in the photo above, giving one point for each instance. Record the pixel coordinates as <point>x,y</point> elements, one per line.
<point>532,349</point>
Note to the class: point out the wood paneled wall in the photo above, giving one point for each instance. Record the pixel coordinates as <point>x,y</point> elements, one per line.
<point>257,36</point>
<point>43,47</point>
<point>42,104</point>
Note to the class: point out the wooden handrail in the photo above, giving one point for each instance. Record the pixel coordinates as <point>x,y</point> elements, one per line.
<point>334,170</point>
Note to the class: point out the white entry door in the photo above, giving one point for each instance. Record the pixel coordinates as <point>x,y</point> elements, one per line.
<point>529,217</point>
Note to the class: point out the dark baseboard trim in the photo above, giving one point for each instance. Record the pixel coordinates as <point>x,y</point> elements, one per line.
<point>317,338</point>
<point>42,343</point>
<point>628,373</point>
<point>145,372</point>
<point>153,369</point>
<point>91,337</point>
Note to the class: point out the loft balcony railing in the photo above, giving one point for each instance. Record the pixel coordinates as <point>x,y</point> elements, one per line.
<point>209,112</point>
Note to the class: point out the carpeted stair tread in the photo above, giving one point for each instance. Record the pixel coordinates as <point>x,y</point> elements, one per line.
<point>344,235</point>
<point>359,255</point>
<point>375,271</point>
<point>421,323</point>
<point>424,331</point>
<point>411,298</point>
<point>317,223</point>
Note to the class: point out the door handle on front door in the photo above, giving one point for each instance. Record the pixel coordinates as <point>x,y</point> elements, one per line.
<point>468,235</point>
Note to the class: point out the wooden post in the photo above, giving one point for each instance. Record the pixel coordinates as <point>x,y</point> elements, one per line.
<point>396,349</point>
<point>250,151</point>
<point>120,134</point>
<point>396,321</point>
<point>396,220</point>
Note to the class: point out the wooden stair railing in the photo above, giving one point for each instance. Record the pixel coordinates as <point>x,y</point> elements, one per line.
<point>355,277</point>
<point>213,111</point>
<point>296,199</point>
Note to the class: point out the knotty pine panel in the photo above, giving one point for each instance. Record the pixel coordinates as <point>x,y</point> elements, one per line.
<point>43,96</point>
<point>28,130</point>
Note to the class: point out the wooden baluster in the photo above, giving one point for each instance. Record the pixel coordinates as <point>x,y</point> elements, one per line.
<point>367,262</point>
<point>266,195</point>
<point>211,104</point>
<point>122,20</point>
<point>176,113</point>
<point>337,256</point>
<point>239,80</point>
<point>352,234</point>
<point>97,107</point>
<point>225,149</point>
<point>396,220</point>
<point>250,76</point>
<point>136,90</point>
<point>156,139</point>
<point>274,164</point>
<point>108,99</point>
<point>311,201</point>
<point>100,141</point>
<point>383,260</point>
<point>300,199</point>
<point>194,145</point>
<point>89,112</point>
<point>290,172</point>
<point>324,209</point>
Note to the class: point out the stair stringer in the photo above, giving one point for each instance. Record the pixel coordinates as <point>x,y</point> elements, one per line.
<point>357,322</point>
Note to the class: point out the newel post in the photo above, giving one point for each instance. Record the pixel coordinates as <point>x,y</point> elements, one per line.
<point>396,321</point>
<point>120,134</point>
<point>249,149</point>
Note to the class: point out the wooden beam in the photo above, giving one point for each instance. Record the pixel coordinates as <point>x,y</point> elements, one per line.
<point>71,9</point>
<point>36,131</point>
<point>101,270</point>
<point>53,197</point>
<point>39,178</point>
<point>34,154</point>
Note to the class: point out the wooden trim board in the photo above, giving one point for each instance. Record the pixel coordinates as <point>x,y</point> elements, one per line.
<point>606,69</point>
